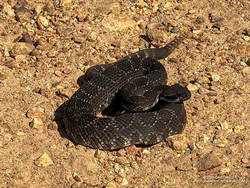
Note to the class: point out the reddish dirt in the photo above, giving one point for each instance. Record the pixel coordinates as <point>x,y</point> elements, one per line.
<point>46,45</point>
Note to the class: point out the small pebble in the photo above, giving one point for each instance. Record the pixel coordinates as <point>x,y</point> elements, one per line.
<point>224,125</point>
<point>58,73</point>
<point>70,145</point>
<point>246,38</point>
<point>63,93</point>
<point>8,10</point>
<point>36,123</point>
<point>23,14</point>
<point>76,177</point>
<point>110,185</point>
<point>101,155</point>
<point>92,36</point>
<point>35,112</point>
<point>118,179</point>
<point>192,87</point>
<point>44,160</point>
<point>215,77</point>
<point>245,160</point>
<point>66,3</point>
<point>146,152</point>
<point>196,31</point>
<point>42,22</point>
<point>239,128</point>
<point>124,182</point>
<point>225,170</point>
<point>134,165</point>
<point>20,133</point>
<point>246,71</point>
<point>177,142</point>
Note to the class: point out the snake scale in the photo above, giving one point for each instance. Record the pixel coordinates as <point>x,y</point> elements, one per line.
<point>151,110</point>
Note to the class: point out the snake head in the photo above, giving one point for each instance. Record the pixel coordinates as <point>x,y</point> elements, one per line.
<point>175,94</point>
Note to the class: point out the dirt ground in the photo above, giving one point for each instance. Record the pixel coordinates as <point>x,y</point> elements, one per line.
<point>46,45</point>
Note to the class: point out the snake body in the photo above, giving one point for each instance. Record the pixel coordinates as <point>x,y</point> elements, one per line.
<point>151,111</point>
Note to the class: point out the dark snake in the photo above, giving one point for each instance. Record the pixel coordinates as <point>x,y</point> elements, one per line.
<point>149,110</point>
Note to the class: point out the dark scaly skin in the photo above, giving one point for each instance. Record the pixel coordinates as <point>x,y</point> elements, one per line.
<point>100,85</point>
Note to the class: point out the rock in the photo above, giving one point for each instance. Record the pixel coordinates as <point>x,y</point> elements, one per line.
<point>118,23</point>
<point>208,162</point>
<point>196,31</point>
<point>119,170</point>
<point>20,133</point>
<point>124,182</point>
<point>76,177</point>
<point>66,3</point>
<point>2,76</point>
<point>26,38</point>
<point>21,48</point>
<point>224,125</point>
<point>225,170</point>
<point>155,32</point>
<point>8,10</point>
<point>177,142</point>
<point>134,165</point>
<point>146,152</point>
<point>42,22</point>
<point>58,73</point>
<point>39,9</point>
<point>239,128</point>
<point>36,123</point>
<point>20,58</point>
<point>23,14</point>
<point>35,112</point>
<point>101,155</point>
<point>246,71</point>
<point>44,160</point>
<point>70,145</point>
<point>61,92</point>
<point>215,77</point>
<point>242,63</point>
<point>246,38</point>
<point>192,87</point>
<point>132,150</point>
<point>92,36</point>
<point>110,185</point>
<point>118,179</point>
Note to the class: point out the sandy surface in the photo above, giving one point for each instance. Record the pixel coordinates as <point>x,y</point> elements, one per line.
<point>46,45</point>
